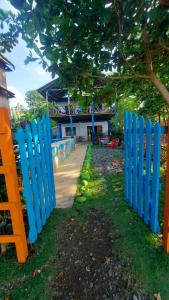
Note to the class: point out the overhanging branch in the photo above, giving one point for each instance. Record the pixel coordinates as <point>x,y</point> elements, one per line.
<point>121,77</point>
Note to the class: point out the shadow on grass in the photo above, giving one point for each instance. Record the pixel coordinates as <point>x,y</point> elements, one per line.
<point>148,262</point>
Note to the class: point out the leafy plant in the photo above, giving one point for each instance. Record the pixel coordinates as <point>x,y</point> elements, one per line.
<point>117,133</point>
<point>80,40</point>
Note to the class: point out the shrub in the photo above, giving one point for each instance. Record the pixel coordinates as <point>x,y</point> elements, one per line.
<point>117,133</point>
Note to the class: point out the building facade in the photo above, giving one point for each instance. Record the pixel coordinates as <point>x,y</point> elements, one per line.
<point>74,120</point>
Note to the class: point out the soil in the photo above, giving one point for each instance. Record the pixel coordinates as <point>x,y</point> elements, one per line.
<point>89,267</point>
<point>89,270</point>
<point>108,161</point>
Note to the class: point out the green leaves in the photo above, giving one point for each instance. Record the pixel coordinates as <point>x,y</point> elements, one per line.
<point>83,38</point>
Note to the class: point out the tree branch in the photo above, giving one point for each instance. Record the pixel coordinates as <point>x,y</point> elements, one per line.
<point>163,46</point>
<point>121,77</point>
<point>149,66</point>
<point>148,57</point>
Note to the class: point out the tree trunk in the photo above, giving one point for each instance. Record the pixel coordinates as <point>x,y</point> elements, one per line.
<point>149,68</point>
<point>160,86</point>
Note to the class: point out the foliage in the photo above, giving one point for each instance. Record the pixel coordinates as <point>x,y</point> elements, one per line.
<point>83,39</point>
<point>37,107</point>
<point>128,103</point>
<point>117,133</point>
<point>148,262</point>
<point>34,99</point>
<point>142,98</point>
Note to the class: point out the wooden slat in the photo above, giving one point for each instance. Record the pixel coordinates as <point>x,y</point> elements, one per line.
<point>39,171</point>
<point>135,161</point>
<point>154,223</point>
<point>148,172</point>
<point>9,238</point>
<point>7,205</point>
<point>130,158</point>
<point>4,169</point>
<point>43,167</point>
<point>46,151</point>
<point>27,192</point>
<point>141,166</point>
<point>53,200</point>
<point>33,173</point>
<point>126,153</point>
<point>166,205</point>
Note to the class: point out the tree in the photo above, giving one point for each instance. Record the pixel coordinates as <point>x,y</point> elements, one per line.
<point>83,39</point>
<point>34,99</point>
<point>37,107</point>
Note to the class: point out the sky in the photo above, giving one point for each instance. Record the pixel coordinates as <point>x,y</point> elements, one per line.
<point>24,77</point>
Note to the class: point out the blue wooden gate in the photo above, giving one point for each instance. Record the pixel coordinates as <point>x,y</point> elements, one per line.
<point>142,167</point>
<point>37,171</point>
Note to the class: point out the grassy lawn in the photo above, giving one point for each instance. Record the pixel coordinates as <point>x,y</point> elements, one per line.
<point>149,264</point>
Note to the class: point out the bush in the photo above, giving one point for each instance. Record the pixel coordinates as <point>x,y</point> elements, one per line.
<point>117,133</point>
<point>97,136</point>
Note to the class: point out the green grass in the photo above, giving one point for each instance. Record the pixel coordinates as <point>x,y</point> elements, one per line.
<point>148,261</point>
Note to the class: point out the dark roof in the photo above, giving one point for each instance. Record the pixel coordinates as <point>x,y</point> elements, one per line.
<point>56,92</point>
<point>5,64</point>
<point>6,93</point>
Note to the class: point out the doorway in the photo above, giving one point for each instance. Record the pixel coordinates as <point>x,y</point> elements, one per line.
<point>98,129</point>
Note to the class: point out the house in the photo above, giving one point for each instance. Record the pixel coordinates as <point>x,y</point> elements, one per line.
<point>74,120</point>
<point>5,95</point>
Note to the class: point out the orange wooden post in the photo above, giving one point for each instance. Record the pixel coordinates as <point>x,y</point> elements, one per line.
<point>13,203</point>
<point>166,205</point>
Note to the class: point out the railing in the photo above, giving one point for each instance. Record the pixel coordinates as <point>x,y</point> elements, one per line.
<point>76,110</point>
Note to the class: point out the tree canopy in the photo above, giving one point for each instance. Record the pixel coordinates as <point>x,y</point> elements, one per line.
<point>95,40</point>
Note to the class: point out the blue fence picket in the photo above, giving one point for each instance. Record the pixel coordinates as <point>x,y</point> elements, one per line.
<point>47,154</point>
<point>141,167</point>
<point>50,161</point>
<point>39,170</point>
<point>130,149</point>
<point>43,166</point>
<point>126,154</point>
<point>20,137</point>
<point>135,160</point>
<point>32,170</point>
<point>142,186</point>
<point>155,180</point>
<point>148,172</point>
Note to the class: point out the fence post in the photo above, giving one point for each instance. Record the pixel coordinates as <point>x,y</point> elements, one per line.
<point>13,203</point>
<point>130,155</point>
<point>166,205</point>
<point>135,161</point>
<point>141,167</point>
<point>126,153</point>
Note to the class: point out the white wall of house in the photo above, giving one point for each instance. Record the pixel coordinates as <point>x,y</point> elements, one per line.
<point>81,128</point>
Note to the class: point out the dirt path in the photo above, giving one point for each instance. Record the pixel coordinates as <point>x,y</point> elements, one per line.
<point>90,268</point>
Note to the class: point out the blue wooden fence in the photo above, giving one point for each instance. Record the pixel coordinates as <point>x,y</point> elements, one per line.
<point>142,167</point>
<point>37,171</point>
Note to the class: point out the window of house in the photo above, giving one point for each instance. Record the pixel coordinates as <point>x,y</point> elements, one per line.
<point>68,131</point>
